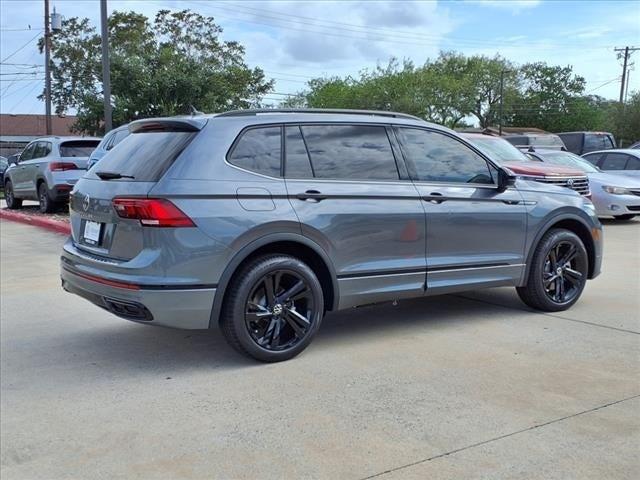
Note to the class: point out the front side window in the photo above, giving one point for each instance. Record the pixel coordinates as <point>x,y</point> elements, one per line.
<point>435,157</point>
<point>116,138</point>
<point>350,152</point>
<point>593,158</point>
<point>614,161</point>
<point>27,153</point>
<point>259,150</point>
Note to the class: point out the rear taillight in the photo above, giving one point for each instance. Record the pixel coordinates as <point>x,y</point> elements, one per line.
<point>152,212</point>
<point>62,166</point>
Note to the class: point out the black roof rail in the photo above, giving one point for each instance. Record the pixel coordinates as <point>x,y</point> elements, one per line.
<point>258,111</point>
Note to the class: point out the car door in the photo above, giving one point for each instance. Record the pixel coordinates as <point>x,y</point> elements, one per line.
<point>353,198</point>
<point>475,233</point>
<point>33,167</point>
<point>19,172</point>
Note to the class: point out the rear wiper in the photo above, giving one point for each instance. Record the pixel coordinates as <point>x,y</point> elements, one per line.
<point>112,175</point>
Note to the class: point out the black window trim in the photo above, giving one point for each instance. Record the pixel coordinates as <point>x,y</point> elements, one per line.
<point>490,163</point>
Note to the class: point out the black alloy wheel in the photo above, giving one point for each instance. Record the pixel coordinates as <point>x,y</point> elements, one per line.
<point>279,310</point>
<point>273,308</point>
<point>561,276</point>
<point>557,273</point>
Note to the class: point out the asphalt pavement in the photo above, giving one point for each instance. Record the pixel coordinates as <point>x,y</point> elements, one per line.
<point>463,386</point>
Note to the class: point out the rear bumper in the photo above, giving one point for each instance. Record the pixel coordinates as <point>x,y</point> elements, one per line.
<point>179,307</point>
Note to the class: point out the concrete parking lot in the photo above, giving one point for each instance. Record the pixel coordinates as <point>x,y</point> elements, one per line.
<point>462,386</point>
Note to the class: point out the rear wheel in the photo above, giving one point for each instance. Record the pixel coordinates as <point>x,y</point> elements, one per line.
<point>46,204</point>
<point>624,217</point>
<point>9,197</point>
<point>273,309</point>
<point>558,272</point>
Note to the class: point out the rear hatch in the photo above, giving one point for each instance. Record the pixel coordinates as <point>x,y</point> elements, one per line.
<point>77,152</point>
<point>111,214</point>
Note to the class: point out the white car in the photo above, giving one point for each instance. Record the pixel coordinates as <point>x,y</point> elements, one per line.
<point>612,194</point>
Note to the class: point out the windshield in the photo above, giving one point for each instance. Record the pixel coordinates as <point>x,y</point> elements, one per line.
<point>567,159</point>
<point>498,149</point>
<point>78,148</point>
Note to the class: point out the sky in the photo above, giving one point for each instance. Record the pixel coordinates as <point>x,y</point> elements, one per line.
<point>296,41</point>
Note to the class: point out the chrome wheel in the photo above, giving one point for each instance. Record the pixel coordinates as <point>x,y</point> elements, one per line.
<point>279,312</point>
<point>564,272</point>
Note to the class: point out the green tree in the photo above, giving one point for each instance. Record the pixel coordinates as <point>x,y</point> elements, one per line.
<point>158,67</point>
<point>625,120</point>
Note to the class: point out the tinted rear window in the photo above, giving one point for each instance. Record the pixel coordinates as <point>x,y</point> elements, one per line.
<point>145,156</point>
<point>596,141</point>
<point>78,148</point>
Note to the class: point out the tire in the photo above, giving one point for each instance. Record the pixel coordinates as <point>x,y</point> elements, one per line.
<point>555,284</point>
<point>12,202</point>
<point>259,323</point>
<point>624,217</point>
<point>46,204</point>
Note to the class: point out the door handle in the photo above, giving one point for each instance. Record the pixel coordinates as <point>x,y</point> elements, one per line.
<point>311,195</point>
<point>434,197</point>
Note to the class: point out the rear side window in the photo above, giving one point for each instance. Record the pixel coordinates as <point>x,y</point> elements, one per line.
<point>614,161</point>
<point>350,152</point>
<point>259,150</point>
<point>78,148</point>
<point>146,155</point>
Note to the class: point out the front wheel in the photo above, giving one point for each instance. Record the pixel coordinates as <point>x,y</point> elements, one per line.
<point>13,203</point>
<point>558,272</point>
<point>273,309</point>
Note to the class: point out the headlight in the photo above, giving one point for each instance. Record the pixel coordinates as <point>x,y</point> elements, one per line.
<point>616,190</point>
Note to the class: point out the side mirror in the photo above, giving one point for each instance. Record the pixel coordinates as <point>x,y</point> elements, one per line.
<point>505,180</point>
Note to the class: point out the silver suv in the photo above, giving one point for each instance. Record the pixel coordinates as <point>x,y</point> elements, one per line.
<point>46,170</point>
<point>262,221</point>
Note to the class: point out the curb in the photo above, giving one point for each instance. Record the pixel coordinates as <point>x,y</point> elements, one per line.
<point>56,226</point>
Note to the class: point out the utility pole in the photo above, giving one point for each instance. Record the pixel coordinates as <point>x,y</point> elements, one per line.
<point>501,102</point>
<point>627,53</point>
<point>106,72</point>
<point>47,70</point>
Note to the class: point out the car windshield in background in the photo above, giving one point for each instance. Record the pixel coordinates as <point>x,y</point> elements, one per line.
<point>567,159</point>
<point>498,149</point>
<point>78,148</point>
<point>144,157</point>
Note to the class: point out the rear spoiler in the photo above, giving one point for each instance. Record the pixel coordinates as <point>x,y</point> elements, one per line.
<point>168,125</point>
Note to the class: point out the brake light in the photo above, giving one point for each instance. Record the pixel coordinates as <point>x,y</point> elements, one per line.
<point>152,212</point>
<point>62,166</point>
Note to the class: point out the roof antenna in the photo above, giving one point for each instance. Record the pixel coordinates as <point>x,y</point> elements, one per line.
<point>193,111</point>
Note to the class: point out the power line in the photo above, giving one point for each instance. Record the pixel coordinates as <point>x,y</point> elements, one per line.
<point>24,97</point>
<point>23,46</point>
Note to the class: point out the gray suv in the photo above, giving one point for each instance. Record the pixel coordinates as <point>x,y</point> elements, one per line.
<point>262,221</point>
<point>46,170</point>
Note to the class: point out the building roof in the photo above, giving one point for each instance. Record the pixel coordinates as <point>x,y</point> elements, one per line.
<point>22,125</point>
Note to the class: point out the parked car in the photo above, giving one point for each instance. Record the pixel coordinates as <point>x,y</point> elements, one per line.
<point>621,161</point>
<point>4,163</point>
<point>517,162</point>
<point>110,140</point>
<point>546,139</point>
<point>260,221</point>
<point>613,195</point>
<point>583,142</point>
<point>46,171</point>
